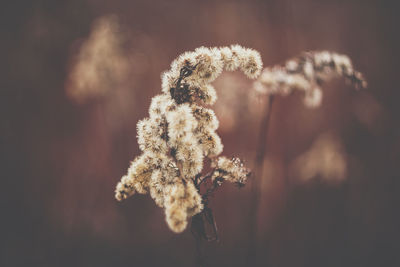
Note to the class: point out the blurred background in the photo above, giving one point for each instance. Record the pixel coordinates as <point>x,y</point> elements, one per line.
<point>78,75</point>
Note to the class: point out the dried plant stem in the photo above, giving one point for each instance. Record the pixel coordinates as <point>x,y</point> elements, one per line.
<point>262,144</point>
<point>199,221</point>
<point>257,177</point>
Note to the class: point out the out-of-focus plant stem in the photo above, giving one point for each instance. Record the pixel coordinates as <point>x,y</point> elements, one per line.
<point>257,178</point>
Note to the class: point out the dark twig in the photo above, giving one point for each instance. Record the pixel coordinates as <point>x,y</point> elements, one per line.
<point>258,176</point>
<point>204,222</point>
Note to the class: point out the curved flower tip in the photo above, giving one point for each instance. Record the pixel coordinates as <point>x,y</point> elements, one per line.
<point>306,73</point>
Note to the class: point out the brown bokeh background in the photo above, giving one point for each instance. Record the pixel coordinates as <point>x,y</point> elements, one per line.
<point>63,153</point>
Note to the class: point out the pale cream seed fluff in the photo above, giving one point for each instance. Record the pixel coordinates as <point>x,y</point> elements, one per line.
<point>237,53</point>
<point>252,64</point>
<point>209,65</point>
<point>176,218</point>
<point>187,58</point>
<point>205,117</point>
<point>124,188</point>
<point>161,183</point>
<point>207,61</point>
<point>181,124</point>
<point>150,133</point>
<point>190,155</point>
<point>137,179</point>
<point>183,201</point>
<point>140,172</point>
<point>157,185</point>
<point>206,64</point>
<point>170,171</point>
<point>211,143</point>
<point>159,103</point>
<point>193,200</point>
<point>227,58</point>
<point>248,60</point>
<point>207,94</point>
<point>231,170</point>
<point>168,79</point>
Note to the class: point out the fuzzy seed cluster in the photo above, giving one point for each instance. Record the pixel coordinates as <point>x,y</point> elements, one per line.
<point>231,170</point>
<point>180,132</point>
<point>306,73</point>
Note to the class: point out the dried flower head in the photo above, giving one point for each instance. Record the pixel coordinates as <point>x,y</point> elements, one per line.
<point>180,133</point>
<point>306,73</point>
<point>100,64</point>
<point>231,170</point>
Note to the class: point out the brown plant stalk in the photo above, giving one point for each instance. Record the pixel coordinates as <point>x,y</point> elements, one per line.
<point>257,176</point>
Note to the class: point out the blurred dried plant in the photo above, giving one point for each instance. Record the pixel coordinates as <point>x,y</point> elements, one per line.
<point>306,73</point>
<point>326,159</point>
<point>100,64</point>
